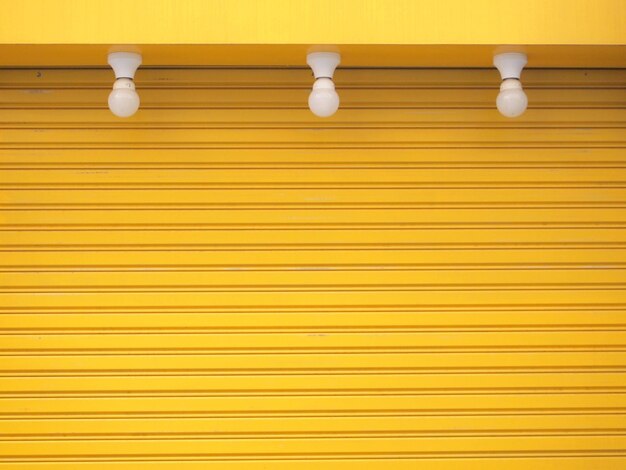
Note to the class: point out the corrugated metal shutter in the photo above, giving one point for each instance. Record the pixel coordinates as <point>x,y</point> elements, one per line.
<point>226,281</point>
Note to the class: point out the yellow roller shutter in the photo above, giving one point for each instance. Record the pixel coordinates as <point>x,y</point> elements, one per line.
<point>226,281</point>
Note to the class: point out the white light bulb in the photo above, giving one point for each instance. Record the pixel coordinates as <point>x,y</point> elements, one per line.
<point>323,100</point>
<point>123,99</point>
<point>512,100</point>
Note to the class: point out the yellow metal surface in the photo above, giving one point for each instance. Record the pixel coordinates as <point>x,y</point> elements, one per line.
<point>226,281</point>
<point>294,55</point>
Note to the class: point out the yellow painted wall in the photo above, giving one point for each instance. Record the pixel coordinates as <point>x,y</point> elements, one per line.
<point>532,22</point>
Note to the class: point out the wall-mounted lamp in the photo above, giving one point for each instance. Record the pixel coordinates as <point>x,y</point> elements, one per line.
<point>323,100</point>
<point>512,100</point>
<point>123,99</point>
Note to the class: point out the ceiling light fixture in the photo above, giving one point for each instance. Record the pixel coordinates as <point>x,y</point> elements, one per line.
<point>123,99</point>
<point>323,100</point>
<point>512,100</point>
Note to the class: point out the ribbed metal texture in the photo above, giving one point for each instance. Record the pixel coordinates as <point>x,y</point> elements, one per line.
<point>226,281</point>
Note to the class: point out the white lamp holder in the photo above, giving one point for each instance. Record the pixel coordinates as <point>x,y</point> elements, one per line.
<point>124,64</point>
<point>323,64</point>
<point>510,64</point>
